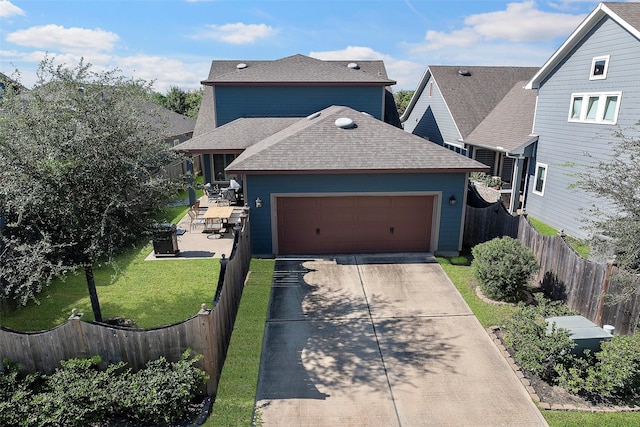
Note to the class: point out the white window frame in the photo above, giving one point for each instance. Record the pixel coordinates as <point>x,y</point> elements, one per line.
<point>544,180</point>
<point>592,75</point>
<point>600,112</point>
<point>456,148</point>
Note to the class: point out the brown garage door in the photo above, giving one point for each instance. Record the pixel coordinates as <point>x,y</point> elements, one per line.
<point>354,224</point>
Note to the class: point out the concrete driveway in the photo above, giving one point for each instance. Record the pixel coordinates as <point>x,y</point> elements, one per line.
<point>380,340</point>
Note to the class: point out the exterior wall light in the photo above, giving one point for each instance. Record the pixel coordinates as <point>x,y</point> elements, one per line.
<point>258,202</point>
<point>452,201</point>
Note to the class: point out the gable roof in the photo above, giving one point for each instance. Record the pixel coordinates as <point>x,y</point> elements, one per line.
<point>176,124</point>
<point>297,69</point>
<point>470,93</point>
<point>315,144</point>
<point>239,134</point>
<point>508,127</point>
<point>626,14</point>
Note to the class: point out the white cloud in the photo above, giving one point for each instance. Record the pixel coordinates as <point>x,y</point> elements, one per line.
<point>519,22</point>
<point>237,33</point>
<point>405,73</point>
<point>165,72</point>
<point>8,9</point>
<point>56,37</point>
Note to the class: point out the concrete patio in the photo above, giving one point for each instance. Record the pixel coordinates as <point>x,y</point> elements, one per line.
<point>194,243</point>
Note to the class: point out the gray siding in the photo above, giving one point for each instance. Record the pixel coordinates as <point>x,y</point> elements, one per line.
<point>263,185</point>
<point>562,142</point>
<point>293,101</point>
<point>430,117</point>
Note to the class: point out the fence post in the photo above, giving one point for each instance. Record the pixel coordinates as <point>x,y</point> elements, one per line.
<point>206,337</point>
<point>223,269</point>
<point>603,295</point>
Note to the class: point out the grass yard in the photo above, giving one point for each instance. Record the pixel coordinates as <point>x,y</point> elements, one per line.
<point>238,383</point>
<point>581,247</point>
<point>135,289</point>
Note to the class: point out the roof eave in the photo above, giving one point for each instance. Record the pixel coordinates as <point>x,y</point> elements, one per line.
<point>414,99</point>
<point>589,22</point>
<point>297,83</point>
<point>353,171</point>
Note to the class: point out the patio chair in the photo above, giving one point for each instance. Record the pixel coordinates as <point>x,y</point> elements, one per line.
<point>215,225</point>
<point>223,202</point>
<point>195,221</point>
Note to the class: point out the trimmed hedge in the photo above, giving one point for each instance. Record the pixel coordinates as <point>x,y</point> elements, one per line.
<point>79,394</point>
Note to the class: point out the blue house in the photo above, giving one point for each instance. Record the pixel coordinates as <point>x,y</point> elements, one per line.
<point>588,89</point>
<point>295,86</point>
<point>481,112</point>
<point>342,181</point>
<point>321,177</point>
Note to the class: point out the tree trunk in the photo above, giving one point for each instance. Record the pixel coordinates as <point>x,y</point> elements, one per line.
<point>93,293</point>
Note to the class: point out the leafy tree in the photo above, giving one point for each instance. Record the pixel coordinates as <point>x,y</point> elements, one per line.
<point>402,98</point>
<point>616,183</point>
<point>80,162</point>
<point>182,102</point>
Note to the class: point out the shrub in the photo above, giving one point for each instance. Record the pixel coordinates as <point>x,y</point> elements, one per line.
<point>537,349</point>
<point>503,266</point>
<point>77,393</point>
<point>15,395</point>
<point>613,374</point>
<point>162,391</point>
<point>80,394</point>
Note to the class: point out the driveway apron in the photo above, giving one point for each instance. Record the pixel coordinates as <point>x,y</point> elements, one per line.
<point>380,340</point>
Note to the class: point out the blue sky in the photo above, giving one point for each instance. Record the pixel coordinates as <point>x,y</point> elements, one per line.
<point>173,42</point>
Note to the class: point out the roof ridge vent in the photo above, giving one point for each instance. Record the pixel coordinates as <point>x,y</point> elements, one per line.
<point>464,72</point>
<point>353,66</point>
<point>345,123</point>
<point>241,66</point>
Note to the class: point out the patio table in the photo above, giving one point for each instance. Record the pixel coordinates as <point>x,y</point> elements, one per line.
<point>222,212</point>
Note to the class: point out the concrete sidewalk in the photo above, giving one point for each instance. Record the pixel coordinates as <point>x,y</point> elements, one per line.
<point>375,340</point>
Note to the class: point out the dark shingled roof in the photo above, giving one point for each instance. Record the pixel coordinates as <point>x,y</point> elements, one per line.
<point>177,124</point>
<point>629,12</point>
<point>509,125</point>
<point>236,135</point>
<point>316,145</point>
<point>298,69</point>
<point>470,98</point>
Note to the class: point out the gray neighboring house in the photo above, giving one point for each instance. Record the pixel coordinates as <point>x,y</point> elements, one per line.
<point>179,128</point>
<point>482,112</point>
<point>589,88</point>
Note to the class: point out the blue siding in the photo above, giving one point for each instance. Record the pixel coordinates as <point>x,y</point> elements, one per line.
<point>430,117</point>
<point>264,185</point>
<point>562,142</point>
<point>293,101</point>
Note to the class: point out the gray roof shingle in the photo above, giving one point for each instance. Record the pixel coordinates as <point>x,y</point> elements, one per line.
<point>236,135</point>
<point>298,69</point>
<point>509,125</point>
<point>628,11</point>
<point>316,145</point>
<point>472,97</point>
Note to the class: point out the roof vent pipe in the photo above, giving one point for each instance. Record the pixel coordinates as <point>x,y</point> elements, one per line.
<point>344,123</point>
<point>464,72</point>
<point>353,66</point>
<point>241,66</point>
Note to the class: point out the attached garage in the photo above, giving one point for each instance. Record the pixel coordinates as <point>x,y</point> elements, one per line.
<point>340,181</point>
<point>354,224</point>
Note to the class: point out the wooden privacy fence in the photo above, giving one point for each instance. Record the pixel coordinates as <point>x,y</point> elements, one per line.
<point>485,223</point>
<point>207,333</point>
<point>585,286</point>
